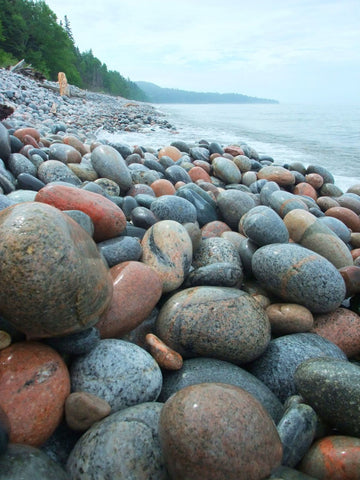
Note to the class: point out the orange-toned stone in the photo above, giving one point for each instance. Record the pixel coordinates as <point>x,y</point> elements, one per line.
<point>109,220</point>
<point>179,184</point>
<point>304,188</point>
<point>76,143</point>
<point>136,290</point>
<point>83,409</point>
<point>204,165</point>
<point>198,173</point>
<point>214,229</point>
<point>355,239</point>
<point>351,276</point>
<point>342,327</point>
<point>280,175</point>
<point>213,156</point>
<point>286,318</point>
<point>355,253</point>
<point>165,356</point>
<point>347,216</point>
<point>29,140</point>
<point>163,187</point>
<point>34,384</point>
<point>315,180</point>
<point>336,457</point>
<point>171,152</point>
<point>234,150</point>
<point>21,132</point>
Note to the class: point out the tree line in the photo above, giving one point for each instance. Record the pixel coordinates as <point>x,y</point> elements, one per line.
<point>29,30</point>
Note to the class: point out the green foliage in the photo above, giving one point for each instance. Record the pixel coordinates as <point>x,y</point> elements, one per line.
<point>29,30</point>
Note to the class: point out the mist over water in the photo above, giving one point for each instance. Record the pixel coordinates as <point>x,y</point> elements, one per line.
<point>323,135</point>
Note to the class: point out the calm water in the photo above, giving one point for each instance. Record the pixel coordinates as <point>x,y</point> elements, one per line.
<point>324,135</point>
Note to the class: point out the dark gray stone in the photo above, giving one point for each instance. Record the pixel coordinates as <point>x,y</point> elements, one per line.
<point>143,217</point>
<point>5,146</point>
<point>205,212</point>
<point>221,274</point>
<point>27,181</point>
<point>180,145</point>
<point>54,171</point>
<point>59,446</point>
<point>120,372</point>
<point>175,174</point>
<point>299,275</point>
<point>172,207</point>
<point>332,387</point>
<point>215,147</point>
<point>330,190</point>
<point>200,153</point>
<point>276,366</point>
<point>247,248</point>
<point>233,204</point>
<point>82,219</point>
<point>201,370</point>
<point>120,249</point>
<point>123,446</point>
<point>77,343</point>
<point>27,463</point>
<point>18,163</point>
<point>264,226</point>
<point>128,205</point>
<point>122,148</point>
<point>296,430</point>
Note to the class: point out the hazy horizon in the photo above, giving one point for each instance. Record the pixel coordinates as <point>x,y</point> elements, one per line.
<point>296,51</point>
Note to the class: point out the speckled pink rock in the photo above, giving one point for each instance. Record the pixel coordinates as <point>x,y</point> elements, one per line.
<point>342,327</point>
<point>34,384</point>
<point>215,431</point>
<point>109,220</point>
<point>136,290</point>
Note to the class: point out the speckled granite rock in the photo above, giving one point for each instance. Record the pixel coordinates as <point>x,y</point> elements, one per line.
<point>210,370</point>
<point>276,366</point>
<point>38,242</point>
<point>297,430</point>
<point>172,207</point>
<point>199,440</point>
<point>263,226</point>
<point>219,322</point>
<point>337,393</point>
<point>124,445</point>
<point>233,204</point>
<point>27,463</point>
<point>299,275</point>
<point>120,372</point>
<point>216,262</point>
<point>168,249</point>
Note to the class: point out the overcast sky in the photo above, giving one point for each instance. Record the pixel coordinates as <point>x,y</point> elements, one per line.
<point>291,50</point>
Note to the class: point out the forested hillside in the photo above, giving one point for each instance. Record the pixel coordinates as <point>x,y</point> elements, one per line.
<point>29,30</point>
<point>158,94</point>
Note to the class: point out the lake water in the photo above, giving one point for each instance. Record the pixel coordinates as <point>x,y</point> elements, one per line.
<point>323,135</point>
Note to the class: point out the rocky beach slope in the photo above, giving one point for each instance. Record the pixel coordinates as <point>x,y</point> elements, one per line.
<point>183,312</point>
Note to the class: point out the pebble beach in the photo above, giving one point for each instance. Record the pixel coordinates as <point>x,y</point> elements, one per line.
<point>186,312</point>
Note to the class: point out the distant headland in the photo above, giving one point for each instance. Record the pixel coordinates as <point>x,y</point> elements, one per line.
<point>156,94</point>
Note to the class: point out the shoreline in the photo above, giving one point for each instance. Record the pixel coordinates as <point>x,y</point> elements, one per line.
<point>140,283</point>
